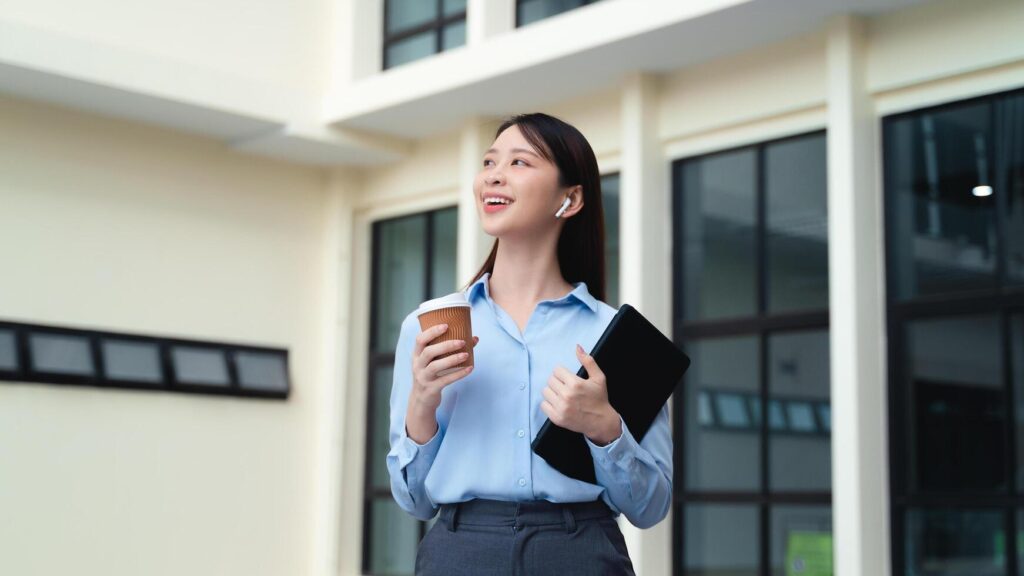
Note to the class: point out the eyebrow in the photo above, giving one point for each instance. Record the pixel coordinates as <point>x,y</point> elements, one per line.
<point>491,150</point>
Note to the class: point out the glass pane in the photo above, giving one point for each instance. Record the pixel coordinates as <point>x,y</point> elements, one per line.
<point>132,361</point>
<point>801,540</point>
<point>266,371</point>
<point>1010,175</point>
<point>796,223</point>
<point>957,405</point>
<point>405,14</point>
<point>533,10</point>
<point>453,35</point>
<point>719,226</point>
<point>1020,538</point>
<point>400,275</point>
<point>610,203</point>
<point>8,351</point>
<point>721,539</point>
<point>1017,369</point>
<point>411,48</point>
<point>722,445</point>
<point>394,538</point>
<point>381,444</point>
<point>955,543</point>
<point>943,237</point>
<point>452,7</point>
<point>200,366</point>
<point>798,378</point>
<point>61,354</point>
<point>446,231</point>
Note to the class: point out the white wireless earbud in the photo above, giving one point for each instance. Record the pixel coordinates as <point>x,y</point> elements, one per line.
<point>565,206</point>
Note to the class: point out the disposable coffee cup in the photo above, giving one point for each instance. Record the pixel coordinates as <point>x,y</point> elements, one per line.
<point>453,310</point>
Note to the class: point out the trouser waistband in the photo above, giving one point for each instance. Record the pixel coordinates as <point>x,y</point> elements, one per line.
<point>480,512</point>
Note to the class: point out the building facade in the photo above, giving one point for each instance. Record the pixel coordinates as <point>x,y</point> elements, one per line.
<point>214,218</point>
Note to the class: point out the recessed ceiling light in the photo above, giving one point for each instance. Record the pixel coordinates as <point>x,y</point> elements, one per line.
<point>982,191</point>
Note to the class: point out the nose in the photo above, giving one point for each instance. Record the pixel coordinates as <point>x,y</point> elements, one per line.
<point>493,177</point>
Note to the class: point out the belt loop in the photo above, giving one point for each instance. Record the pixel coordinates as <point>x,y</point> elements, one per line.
<point>570,519</point>
<point>449,513</point>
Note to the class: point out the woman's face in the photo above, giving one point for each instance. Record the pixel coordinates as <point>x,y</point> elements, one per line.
<point>513,169</point>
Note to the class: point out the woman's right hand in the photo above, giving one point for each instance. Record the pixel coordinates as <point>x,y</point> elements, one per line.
<point>425,395</point>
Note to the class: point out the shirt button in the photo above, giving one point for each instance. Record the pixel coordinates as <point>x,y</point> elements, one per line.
<point>522,386</point>
<point>521,433</point>
<point>522,481</point>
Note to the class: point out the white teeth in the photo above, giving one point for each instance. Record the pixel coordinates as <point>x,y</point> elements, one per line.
<point>496,201</point>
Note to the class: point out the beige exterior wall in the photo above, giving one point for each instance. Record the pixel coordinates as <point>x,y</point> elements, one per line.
<point>111,226</point>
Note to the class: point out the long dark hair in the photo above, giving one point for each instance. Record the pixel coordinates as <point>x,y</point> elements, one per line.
<point>581,243</point>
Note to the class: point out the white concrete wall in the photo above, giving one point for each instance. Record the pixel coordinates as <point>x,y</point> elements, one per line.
<point>107,225</point>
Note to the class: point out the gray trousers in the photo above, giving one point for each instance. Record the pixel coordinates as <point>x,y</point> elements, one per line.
<point>485,537</point>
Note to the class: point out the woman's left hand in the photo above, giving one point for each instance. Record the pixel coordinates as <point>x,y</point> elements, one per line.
<point>581,404</point>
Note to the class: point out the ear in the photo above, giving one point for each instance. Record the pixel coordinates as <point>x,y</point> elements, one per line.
<point>576,194</point>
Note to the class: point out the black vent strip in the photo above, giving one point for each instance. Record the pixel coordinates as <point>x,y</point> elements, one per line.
<point>159,366</point>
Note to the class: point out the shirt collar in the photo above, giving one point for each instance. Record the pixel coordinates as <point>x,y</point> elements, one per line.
<point>579,292</point>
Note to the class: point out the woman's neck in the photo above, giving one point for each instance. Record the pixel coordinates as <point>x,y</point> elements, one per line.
<point>524,275</point>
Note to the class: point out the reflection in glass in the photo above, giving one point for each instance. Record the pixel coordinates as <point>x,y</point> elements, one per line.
<point>719,228</point>
<point>776,417</point>
<point>262,371</point>
<point>395,536</point>
<point>401,272</point>
<point>943,237</point>
<point>721,539</point>
<point>411,48</point>
<point>798,367</point>
<point>796,223</point>
<point>532,10</point>
<point>205,366</point>
<point>957,403</point>
<point>718,458</point>
<point>801,540</point>
<point>452,7</point>
<point>442,275</point>
<point>704,415</point>
<point>131,361</point>
<point>955,543</point>
<point>61,354</point>
<point>610,203</point>
<point>405,14</point>
<point>8,351</point>
<point>383,378</point>
<point>732,411</point>
<point>453,35</point>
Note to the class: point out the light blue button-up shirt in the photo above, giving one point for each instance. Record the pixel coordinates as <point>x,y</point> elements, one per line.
<point>487,420</point>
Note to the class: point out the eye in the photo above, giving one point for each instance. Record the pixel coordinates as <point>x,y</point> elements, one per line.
<point>519,160</point>
<point>486,160</point>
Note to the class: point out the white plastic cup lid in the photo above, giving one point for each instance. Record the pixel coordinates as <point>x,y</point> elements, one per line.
<point>453,299</point>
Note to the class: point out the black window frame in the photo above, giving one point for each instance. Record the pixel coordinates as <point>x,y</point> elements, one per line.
<point>378,359</point>
<point>763,324</point>
<point>1003,301</point>
<point>24,373</point>
<point>437,25</point>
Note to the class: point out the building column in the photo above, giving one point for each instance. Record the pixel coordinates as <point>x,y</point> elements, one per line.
<point>488,18</point>
<point>329,421</point>
<point>646,262</point>
<point>860,477</point>
<point>473,245</point>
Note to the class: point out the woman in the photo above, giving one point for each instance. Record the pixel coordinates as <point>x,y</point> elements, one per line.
<point>460,443</point>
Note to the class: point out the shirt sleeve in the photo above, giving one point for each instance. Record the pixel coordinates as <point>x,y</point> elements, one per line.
<point>638,476</point>
<point>407,461</point>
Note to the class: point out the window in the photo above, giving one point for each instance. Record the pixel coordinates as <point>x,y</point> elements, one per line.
<point>56,355</point>
<point>610,203</point>
<point>753,426</point>
<point>954,187</point>
<point>415,29</point>
<point>528,11</point>
<point>413,261</point>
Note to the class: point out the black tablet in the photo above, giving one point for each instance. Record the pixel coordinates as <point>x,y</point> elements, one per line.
<point>642,368</point>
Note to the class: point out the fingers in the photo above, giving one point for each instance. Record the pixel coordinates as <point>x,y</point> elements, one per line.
<point>439,364</point>
<point>427,336</point>
<point>588,362</point>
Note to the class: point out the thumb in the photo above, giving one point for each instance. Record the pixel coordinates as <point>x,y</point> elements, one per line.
<point>475,340</point>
